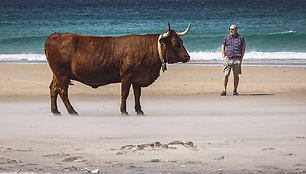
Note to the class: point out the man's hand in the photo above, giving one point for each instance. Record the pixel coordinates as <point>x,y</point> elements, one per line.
<point>223,51</point>
<point>242,51</point>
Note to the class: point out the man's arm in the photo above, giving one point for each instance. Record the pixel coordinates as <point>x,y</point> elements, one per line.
<point>223,51</point>
<point>242,51</point>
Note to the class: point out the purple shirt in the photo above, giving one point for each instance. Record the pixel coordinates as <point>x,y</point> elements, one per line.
<point>233,45</point>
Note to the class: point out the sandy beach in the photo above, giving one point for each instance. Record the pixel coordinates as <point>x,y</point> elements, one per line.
<point>188,127</point>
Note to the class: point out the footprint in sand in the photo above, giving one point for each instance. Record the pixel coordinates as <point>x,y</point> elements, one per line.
<point>220,158</point>
<point>18,150</point>
<point>57,155</point>
<point>268,149</point>
<point>9,161</point>
<point>300,137</point>
<point>157,146</point>
<point>74,159</point>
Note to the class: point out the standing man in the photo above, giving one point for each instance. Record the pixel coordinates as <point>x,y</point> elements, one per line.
<point>233,48</point>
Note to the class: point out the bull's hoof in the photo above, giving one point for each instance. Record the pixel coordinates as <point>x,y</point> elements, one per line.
<point>73,113</point>
<point>124,113</point>
<point>56,113</point>
<point>140,113</point>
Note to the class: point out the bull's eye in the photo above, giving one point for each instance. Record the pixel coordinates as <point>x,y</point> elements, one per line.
<point>176,44</point>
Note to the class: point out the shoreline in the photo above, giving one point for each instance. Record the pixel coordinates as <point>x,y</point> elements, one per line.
<point>216,63</point>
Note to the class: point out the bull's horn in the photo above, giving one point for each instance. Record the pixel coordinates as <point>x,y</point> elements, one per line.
<point>185,32</point>
<point>168,33</point>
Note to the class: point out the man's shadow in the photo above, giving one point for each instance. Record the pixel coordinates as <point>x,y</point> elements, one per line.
<point>255,94</point>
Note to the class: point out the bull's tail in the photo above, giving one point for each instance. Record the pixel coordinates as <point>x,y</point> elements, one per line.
<point>45,49</point>
<point>46,53</point>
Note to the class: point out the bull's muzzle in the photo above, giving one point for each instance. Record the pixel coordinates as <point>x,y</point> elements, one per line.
<point>186,59</point>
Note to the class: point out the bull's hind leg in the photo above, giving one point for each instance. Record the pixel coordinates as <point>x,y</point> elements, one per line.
<point>63,92</point>
<point>137,94</point>
<point>53,96</point>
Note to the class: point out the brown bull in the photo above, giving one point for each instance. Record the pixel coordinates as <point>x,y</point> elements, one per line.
<point>96,61</point>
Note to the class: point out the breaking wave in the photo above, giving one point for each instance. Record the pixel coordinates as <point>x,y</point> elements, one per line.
<point>255,56</point>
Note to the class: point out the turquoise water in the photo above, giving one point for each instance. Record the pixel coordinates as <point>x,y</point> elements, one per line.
<point>274,30</point>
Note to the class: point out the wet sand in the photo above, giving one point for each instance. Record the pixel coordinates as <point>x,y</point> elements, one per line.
<point>260,131</point>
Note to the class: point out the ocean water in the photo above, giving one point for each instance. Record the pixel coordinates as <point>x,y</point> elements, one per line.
<point>274,30</point>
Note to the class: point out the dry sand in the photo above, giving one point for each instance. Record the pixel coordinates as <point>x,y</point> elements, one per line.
<point>263,130</point>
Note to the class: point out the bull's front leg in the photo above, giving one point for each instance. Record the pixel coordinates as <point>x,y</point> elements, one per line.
<point>137,94</point>
<point>125,90</point>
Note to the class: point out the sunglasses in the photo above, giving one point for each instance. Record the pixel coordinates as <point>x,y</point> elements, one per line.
<point>232,29</point>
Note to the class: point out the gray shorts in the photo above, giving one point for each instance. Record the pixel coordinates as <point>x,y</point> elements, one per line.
<point>232,63</point>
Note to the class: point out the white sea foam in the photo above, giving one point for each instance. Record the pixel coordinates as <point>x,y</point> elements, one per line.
<point>22,57</point>
<point>250,55</point>
<point>283,32</point>
<point>195,56</point>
